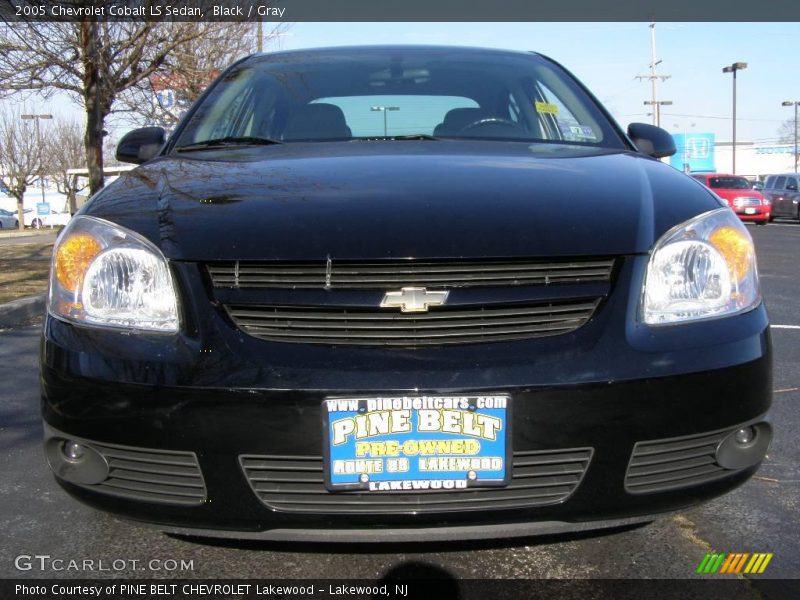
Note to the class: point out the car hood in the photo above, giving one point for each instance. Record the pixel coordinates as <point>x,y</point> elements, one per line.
<point>381,199</point>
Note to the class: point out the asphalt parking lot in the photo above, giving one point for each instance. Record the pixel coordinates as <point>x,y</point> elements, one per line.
<point>761,516</point>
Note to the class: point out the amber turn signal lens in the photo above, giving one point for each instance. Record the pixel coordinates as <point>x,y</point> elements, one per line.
<point>73,257</point>
<point>736,248</point>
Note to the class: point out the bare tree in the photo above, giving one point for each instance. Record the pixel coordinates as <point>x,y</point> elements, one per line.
<point>19,157</point>
<point>93,61</point>
<point>786,131</point>
<point>192,67</point>
<point>64,150</point>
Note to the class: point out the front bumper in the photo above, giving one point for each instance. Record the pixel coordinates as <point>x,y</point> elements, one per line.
<point>762,214</point>
<point>219,427</point>
<point>217,398</point>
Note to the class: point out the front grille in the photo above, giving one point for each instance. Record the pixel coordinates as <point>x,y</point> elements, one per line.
<point>161,476</point>
<point>742,202</point>
<point>388,274</point>
<point>671,464</point>
<point>295,484</point>
<point>442,325</point>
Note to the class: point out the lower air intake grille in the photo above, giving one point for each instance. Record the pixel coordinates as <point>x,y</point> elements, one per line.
<point>443,325</point>
<point>671,464</point>
<point>295,484</point>
<point>161,476</point>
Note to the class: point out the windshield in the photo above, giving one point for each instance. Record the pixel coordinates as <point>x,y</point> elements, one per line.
<point>394,93</point>
<point>729,183</point>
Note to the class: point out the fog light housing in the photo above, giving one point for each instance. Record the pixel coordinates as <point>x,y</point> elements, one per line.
<point>75,461</point>
<point>744,447</point>
<point>72,450</point>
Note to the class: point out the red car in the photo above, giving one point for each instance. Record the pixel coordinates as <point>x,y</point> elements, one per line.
<point>738,192</point>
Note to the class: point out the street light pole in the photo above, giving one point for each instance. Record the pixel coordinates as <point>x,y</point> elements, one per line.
<point>796,103</point>
<point>737,66</point>
<point>384,110</point>
<point>36,119</point>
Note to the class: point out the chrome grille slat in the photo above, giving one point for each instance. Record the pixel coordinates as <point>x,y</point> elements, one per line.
<point>655,459</point>
<point>290,313</point>
<point>162,458</point>
<point>157,498</point>
<point>367,275</point>
<point>156,478</point>
<point>378,327</point>
<point>547,477</point>
<point>159,468</point>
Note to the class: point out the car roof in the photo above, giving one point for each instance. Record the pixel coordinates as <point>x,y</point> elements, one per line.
<point>366,49</point>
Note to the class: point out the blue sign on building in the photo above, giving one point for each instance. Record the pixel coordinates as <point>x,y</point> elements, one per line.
<point>694,152</point>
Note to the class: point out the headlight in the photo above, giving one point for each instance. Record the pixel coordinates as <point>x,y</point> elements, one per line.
<point>703,268</point>
<point>105,275</point>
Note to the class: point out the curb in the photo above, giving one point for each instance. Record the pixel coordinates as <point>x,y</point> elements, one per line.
<point>18,311</point>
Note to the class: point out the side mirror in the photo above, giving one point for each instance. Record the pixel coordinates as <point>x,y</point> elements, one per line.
<point>140,145</point>
<point>792,187</point>
<point>651,140</point>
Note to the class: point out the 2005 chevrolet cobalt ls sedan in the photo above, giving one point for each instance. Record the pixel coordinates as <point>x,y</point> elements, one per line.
<point>402,293</point>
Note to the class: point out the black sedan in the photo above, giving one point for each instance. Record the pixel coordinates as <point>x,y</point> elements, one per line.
<point>402,293</point>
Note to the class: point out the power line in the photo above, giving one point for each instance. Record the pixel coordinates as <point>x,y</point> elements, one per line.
<point>721,117</point>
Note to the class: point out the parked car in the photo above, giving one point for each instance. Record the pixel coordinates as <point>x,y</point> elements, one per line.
<point>782,191</point>
<point>8,219</point>
<point>486,312</point>
<point>56,218</point>
<point>748,203</point>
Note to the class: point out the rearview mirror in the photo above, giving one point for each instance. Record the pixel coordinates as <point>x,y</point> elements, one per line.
<point>651,140</point>
<point>140,145</point>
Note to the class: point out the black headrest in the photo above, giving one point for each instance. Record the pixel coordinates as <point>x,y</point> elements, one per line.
<point>456,119</point>
<point>316,121</point>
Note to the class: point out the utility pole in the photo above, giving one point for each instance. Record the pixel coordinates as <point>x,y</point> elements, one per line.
<point>654,77</point>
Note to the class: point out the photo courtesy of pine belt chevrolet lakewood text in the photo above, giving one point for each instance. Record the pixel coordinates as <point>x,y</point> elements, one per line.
<point>402,293</point>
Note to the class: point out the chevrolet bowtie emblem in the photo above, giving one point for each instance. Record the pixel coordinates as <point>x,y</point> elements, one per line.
<point>413,299</point>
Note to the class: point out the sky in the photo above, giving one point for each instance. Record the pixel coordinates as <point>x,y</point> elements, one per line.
<point>607,57</point>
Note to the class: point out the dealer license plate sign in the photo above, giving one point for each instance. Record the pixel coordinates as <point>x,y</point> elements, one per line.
<point>416,443</point>
<point>749,211</point>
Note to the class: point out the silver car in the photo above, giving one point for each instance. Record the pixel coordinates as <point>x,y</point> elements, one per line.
<point>8,220</point>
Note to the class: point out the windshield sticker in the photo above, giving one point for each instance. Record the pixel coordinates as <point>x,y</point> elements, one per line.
<point>576,133</point>
<point>546,108</point>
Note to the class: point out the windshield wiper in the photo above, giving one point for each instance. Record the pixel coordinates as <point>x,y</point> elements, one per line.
<point>228,141</point>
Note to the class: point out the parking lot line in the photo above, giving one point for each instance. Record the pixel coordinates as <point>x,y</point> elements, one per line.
<point>785,326</point>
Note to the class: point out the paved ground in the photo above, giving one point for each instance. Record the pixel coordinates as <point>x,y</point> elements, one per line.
<point>37,518</point>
